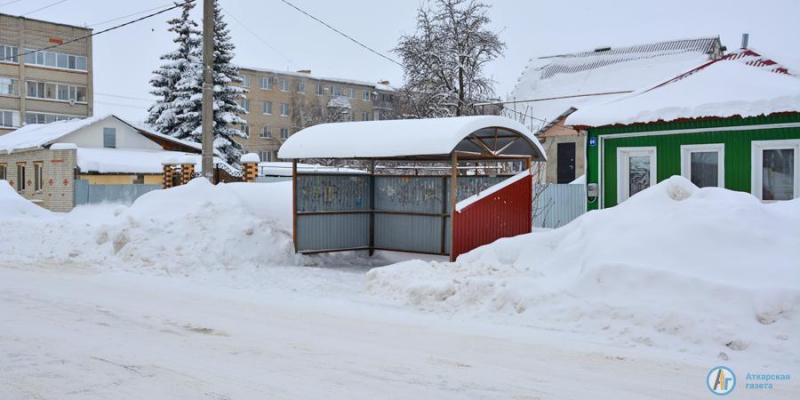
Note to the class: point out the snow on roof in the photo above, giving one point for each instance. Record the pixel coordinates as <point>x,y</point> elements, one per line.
<point>278,168</point>
<point>558,83</point>
<point>396,138</point>
<point>153,131</point>
<point>115,161</point>
<point>307,75</point>
<point>38,135</point>
<point>721,89</point>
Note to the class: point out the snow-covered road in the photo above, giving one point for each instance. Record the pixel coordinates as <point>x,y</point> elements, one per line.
<point>74,333</point>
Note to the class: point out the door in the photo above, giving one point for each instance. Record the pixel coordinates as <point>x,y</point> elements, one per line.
<point>636,170</point>
<point>565,157</point>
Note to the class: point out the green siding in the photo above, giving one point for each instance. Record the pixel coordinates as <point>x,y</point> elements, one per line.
<point>668,154</point>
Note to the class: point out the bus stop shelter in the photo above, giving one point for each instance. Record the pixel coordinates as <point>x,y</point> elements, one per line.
<point>437,186</point>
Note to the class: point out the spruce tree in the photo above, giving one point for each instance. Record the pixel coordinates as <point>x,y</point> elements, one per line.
<point>162,114</point>
<point>189,100</point>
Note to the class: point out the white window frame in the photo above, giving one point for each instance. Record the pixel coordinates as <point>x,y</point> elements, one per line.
<point>245,80</point>
<point>246,104</point>
<point>282,133</point>
<point>287,108</point>
<point>757,148</point>
<point>623,167</point>
<point>265,108</point>
<point>366,95</point>
<point>301,87</point>
<point>284,84</point>
<point>268,81</point>
<point>266,132</point>
<point>686,159</point>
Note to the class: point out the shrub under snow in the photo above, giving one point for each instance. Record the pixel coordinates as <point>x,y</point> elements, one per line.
<point>707,270</point>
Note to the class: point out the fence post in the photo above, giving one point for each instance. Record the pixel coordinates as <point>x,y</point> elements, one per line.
<point>187,171</point>
<point>250,167</point>
<point>168,170</point>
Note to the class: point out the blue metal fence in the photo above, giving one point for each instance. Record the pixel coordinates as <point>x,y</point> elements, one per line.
<point>86,193</point>
<point>555,205</point>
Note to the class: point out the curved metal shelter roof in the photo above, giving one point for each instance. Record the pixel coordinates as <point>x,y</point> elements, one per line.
<point>477,136</point>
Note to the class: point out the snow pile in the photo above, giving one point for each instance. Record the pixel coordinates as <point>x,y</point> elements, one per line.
<point>13,206</point>
<point>704,270</point>
<point>193,227</point>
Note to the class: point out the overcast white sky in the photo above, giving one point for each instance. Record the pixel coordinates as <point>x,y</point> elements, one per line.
<point>124,59</point>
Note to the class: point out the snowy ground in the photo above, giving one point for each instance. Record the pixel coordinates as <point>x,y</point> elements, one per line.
<point>155,301</point>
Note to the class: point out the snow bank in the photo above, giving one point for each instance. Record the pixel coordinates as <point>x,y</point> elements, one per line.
<point>193,227</point>
<point>13,206</point>
<point>704,270</point>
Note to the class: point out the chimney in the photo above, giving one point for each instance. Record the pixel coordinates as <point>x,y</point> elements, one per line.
<point>384,83</point>
<point>304,71</point>
<point>745,40</point>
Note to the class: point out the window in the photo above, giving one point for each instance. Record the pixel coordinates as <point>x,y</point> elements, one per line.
<point>246,129</point>
<point>266,133</point>
<point>246,104</point>
<point>38,170</point>
<point>336,90</point>
<point>284,85</point>
<point>43,118</point>
<point>110,138</point>
<point>775,170</point>
<point>3,172</point>
<point>139,179</point>
<point>246,80</point>
<point>320,90</point>
<point>350,92</point>
<point>284,133</point>
<point>266,108</point>
<point>301,87</point>
<point>56,60</point>
<point>284,110</point>
<point>266,83</point>
<point>704,164</point>
<point>55,91</point>
<point>365,95</point>
<point>9,119</point>
<point>365,115</point>
<point>9,54</point>
<point>265,156</point>
<point>636,170</point>
<point>20,177</point>
<point>8,87</point>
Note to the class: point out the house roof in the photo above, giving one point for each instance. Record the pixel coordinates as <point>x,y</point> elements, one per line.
<point>550,86</point>
<point>410,138</point>
<point>134,161</point>
<point>41,135</point>
<point>726,88</point>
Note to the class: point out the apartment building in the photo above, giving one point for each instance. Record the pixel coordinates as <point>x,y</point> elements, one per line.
<point>41,85</point>
<point>280,103</point>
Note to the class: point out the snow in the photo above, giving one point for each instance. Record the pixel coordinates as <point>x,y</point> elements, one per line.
<point>581,180</point>
<point>277,168</point>
<point>108,161</point>
<point>723,89</point>
<point>437,136</point>
<point>701,271</point>
<point>38,135</point>
<point>250,158</point>
<point>64,146</point>
<point>13,206</point>
<point>491,190</point>
<point>195,292</point>
<point>594,73</point>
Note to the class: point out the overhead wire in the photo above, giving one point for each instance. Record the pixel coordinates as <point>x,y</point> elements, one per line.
<point>42,8</point>
<point>341,33</point>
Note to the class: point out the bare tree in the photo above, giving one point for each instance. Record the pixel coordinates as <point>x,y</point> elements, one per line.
<point>444,60</point>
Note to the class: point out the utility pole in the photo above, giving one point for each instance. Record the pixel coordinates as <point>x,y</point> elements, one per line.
<point>208,89</point>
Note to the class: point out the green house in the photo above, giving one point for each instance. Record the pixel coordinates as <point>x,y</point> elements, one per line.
<point>732,123</point>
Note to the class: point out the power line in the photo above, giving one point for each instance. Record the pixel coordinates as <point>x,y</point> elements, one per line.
<point>130,15</point>
<point>94,34</point>
<point>340,32</point>
<point>259,37</point>
<point>43,8</point>
<point>120,105</point>
<point>124,97</point>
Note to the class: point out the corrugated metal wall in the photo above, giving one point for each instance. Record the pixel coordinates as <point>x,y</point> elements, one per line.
<point>411,213</point>
<point>504,213</point>
<point>86,193</point>
<point>556,205</point>
<point>318,198</point>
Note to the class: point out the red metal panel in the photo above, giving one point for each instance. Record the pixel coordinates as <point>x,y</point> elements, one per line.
<point>505,213</point>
